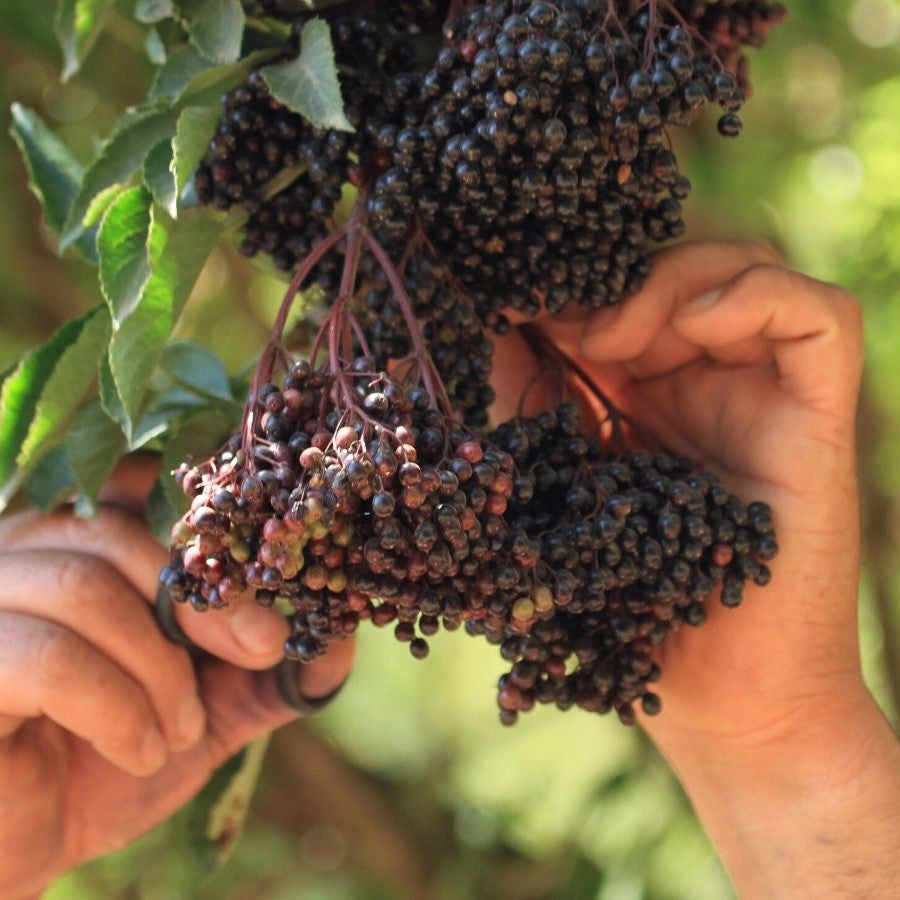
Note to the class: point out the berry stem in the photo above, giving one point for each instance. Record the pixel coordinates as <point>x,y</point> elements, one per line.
<point>433,385</point>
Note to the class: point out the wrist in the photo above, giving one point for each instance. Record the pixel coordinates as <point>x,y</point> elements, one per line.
<point>809,809</point>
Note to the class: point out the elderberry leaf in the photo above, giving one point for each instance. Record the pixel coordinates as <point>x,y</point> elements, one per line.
<point>53,173</point>
<point>152,11</point>
<point>215,27</point>
<point>193,132</point>
<point>198,369</point>
<point>160,513</point>
<point>94,445</point>
<point>175,74</point>
<point>308,84</point>
<point>44,389</point>
<point>77,24</point>
<point>124,255</point>
<point>110,399</point>
<point>100,204</point>
<point>51,481</point>
<point>119,158</point>
<point>215,818</point>
<point>158,176</point>
<point>155,48</point>
<point>176,255</point>
<point>188,77</point>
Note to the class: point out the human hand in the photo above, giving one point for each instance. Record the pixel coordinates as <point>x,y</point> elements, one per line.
<point>753,371</point>
<point>106,728</point>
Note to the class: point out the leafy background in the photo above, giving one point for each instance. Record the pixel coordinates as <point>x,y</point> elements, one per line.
<point>407,787</point>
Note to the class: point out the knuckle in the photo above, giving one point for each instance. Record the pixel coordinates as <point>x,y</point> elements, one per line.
<point>55,655</point>
<point>79,576</point>
<point>763,277</point>
<point>764,250</point>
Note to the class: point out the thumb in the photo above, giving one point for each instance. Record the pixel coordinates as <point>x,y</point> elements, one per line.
<point>243,705</point>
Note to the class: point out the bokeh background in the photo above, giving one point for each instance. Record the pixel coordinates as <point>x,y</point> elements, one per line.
<point>407,786</point>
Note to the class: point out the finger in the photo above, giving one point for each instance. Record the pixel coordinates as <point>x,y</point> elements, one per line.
<point>812,331</point>
<point>246,635</point>
<point>246,705</point>
<point>47,670</point>
<point>93,601</point>
<point>678,275</point>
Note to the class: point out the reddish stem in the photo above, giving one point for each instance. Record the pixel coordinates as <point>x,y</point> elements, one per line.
<point>433,385</point>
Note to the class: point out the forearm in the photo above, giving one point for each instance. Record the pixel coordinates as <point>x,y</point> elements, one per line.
<point>812,814</point>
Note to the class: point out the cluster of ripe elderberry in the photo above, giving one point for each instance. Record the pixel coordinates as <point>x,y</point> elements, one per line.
<point>575,563</point>
<point>258,139</point>
<point>634,545</point>
<point>525,165</point>
<point>354,499</point>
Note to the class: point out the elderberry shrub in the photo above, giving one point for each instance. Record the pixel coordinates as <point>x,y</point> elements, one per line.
<point>258,138</point>
<point>632,546</point>
<point>542,164</point>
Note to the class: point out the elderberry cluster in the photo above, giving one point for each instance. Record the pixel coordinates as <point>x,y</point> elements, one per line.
<point>634,545</point>
<point>259,139</point>
<point>552,172</point>
<point>524,165</point>
<point>356,499</point>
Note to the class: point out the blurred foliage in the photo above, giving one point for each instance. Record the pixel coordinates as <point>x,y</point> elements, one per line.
<point>407,787</point>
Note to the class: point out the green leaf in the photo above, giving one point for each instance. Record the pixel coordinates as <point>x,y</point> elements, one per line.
<point>100,204</point>
<point>215,818</point>
<point>77,24</point>
<point>196,126</point>
<point>215,27</point>
<point>176,256</point>
<point>124,256</point>
<point>119,158</point>
<point>155,48</point>
<point>95,444</point>
<point>45,388</point>
<point>187,77</point>
<point>158,176</point>
<point>175,75</point>
<point>309,84</point>
<point>53,173</point>
<point>151,11</point>
<point>110,399</point>
<point>160,513</point>
<point>51,481</point>
<point>197,368</point>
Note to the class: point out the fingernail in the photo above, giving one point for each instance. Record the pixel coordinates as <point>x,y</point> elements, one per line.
<point>191,722</point>
<point>700,304</point>
<point>154,751</point>
<point>257,630</point>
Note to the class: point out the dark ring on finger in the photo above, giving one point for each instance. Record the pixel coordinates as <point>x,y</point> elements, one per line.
<point>286,672</point>
<point>164,611</point>
<point>287,680</point>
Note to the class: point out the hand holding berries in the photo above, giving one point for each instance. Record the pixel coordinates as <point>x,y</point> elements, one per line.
<point>106,728</point>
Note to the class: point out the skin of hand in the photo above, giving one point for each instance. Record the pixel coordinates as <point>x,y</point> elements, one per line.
<point>753,371</point>
<point>106,728</point>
